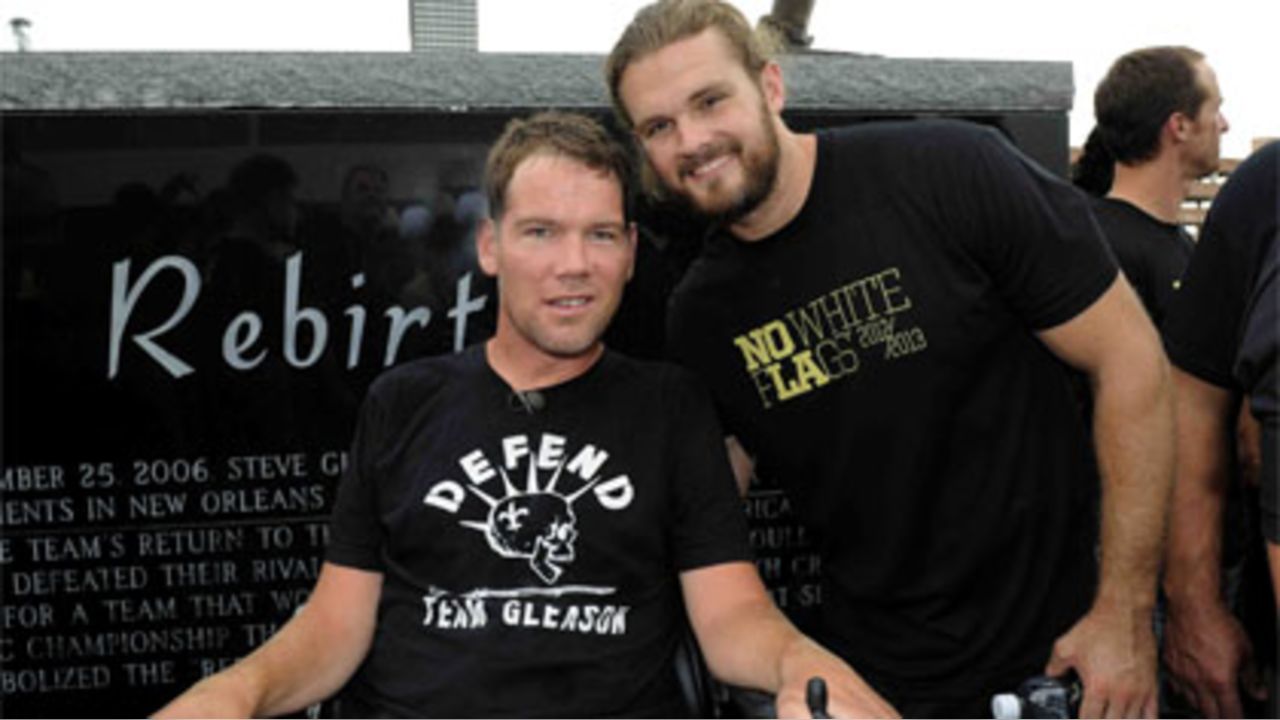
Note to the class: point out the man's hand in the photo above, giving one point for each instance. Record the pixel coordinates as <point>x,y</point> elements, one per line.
<point>1113,651</point>
<point>848,695</point>
<point>748,642</point>
<point>1208,653</point>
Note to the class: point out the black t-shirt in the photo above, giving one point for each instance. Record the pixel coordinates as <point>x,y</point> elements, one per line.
<point>531,554</point>
<point>1151,253</point>
<point>1224,323</point>
<point>877,356</point>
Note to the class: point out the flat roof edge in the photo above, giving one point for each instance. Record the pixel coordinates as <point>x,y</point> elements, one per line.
<point>491,82</point>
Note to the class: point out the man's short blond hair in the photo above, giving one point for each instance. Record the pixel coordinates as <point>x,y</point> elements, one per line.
<point>552,132</point>
<point>661,23</point>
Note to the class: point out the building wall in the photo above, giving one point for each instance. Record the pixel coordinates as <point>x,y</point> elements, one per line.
<point>437,24</point>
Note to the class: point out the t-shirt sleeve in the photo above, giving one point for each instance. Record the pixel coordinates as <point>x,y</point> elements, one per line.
<point>1201,331</point>
<point>1207,316</point>
<point>709,524</point>
<point>356,536</point>
<point>1033,233</point>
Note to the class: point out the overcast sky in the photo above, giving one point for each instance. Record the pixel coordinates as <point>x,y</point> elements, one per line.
<point>1239,36</point>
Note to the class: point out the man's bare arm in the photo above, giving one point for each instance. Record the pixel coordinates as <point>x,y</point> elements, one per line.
<point>744,466</point>
<point>1113,647</point>
<point>1206,648</point>
<point>309,659</point>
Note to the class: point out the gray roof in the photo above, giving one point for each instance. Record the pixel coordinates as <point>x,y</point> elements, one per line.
<point>467,81</point>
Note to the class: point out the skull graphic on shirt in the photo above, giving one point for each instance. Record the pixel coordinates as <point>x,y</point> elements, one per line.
<point>540,527</point>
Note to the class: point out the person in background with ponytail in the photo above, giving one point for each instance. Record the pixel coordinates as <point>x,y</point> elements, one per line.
<point>1159,121</point>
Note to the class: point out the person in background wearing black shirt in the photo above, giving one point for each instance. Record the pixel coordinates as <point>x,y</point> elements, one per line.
<point>883,316</point>
<point>1222,336</point>
<point>1159,114</point>
<point>525,524</point>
